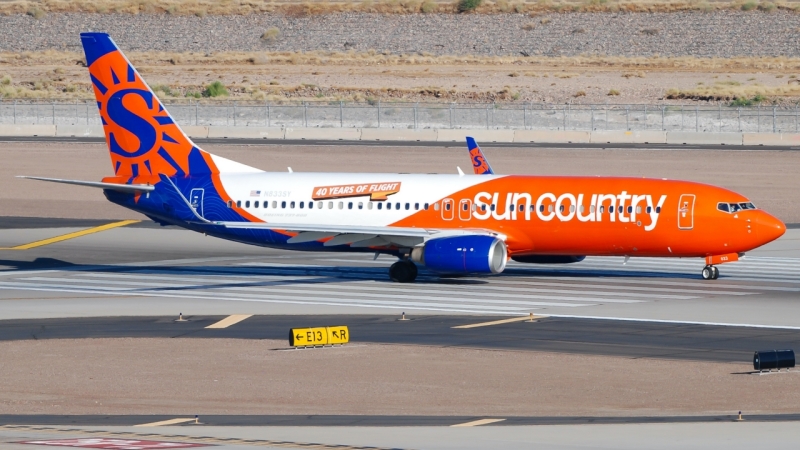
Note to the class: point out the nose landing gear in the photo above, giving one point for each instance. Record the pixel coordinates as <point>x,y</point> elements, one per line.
<point>404,271</point>
<point>710,272</point>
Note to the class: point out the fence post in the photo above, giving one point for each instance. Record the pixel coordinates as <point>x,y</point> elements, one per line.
<point>451,115</point>
<point>15,112</point>
<point>591,108</point>
<point>379,113</point>
<point>415,115</point>
<point>758,118</point>
<point>87,112</point>
<point>487,117</point>
<point>645,117</point>
<point>195,113</point>
<point>795,118</point>
<point>76,112</point>
<point>681,117</point>
<point>234,113</point>
<point>739,116</point>
<point>627,118</point>
<point>565,119</point>
<point>53,110</point>
<point>719,116</point>
<point>269,116</point>
<point>663,128</point>
<point>774,126</point>
<point>341,114</point>
<point>696,119</point>
<point>606,117</point>
<point>305,114</point>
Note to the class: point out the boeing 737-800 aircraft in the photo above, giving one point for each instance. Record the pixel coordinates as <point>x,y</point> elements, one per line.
<point>451,224</point>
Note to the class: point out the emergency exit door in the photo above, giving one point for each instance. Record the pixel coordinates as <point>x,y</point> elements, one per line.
<point>686,212</point>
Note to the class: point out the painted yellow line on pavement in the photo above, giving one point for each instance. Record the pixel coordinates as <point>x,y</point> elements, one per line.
<point>476,423</point>
<point>499,322</point>
<point>74,235</point>
<point>165,422</point>
<point>230,320</point>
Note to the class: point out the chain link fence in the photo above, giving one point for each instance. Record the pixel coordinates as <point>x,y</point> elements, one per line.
<point>764,119</point>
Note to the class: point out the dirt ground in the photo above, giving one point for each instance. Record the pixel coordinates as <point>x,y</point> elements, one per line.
<point>769,178</point>
<point>439,82</point>
<point>225,376</point>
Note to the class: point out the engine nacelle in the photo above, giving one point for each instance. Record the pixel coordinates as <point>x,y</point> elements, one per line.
<point>548,259</point>
<point>463,254</point>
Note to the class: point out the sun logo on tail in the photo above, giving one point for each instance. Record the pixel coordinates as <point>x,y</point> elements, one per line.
<point>142,138</point>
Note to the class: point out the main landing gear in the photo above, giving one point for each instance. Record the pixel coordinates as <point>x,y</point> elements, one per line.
<point>403,271</point>
<point>710,273</point>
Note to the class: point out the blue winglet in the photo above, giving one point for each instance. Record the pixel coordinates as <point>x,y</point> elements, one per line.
<point>479,163</point>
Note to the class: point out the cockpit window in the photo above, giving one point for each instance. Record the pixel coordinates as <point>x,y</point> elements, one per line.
<point>735,207</point>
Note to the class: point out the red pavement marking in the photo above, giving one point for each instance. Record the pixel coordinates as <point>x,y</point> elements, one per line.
<point>113,444</point>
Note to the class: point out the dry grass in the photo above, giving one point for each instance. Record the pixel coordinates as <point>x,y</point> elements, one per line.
<point>311,7</point>
<point>731,91</point>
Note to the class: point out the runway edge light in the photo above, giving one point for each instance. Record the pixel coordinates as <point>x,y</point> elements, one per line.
<point>319,336</point>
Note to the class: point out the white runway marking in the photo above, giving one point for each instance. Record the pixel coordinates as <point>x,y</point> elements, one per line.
<point>592,283</point>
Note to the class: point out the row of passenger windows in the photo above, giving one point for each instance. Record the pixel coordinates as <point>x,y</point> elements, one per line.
<point>735,207</point>
<point>424,206</point>
<point>339,205</point>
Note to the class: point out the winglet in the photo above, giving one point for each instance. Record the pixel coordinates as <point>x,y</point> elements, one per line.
<point>479,163</point>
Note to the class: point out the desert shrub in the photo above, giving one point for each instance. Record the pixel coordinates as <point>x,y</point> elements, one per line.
<point>468,5</point>
<point>271,35</point>
<point>613,92</point>
<point>580,94</point>
<point>215,89</point>
<point>36,13</point>
<point>529,26</point>
<point>767,7</point>
<point>6,80</point>
<point>649,31</point>
<point>428,6</point>
<point>747,6</point>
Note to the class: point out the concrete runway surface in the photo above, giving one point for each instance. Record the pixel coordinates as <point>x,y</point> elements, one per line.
<point>142,271</point>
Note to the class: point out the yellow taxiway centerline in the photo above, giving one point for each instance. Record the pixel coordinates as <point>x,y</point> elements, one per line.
<point>499,322</point>
<point>74,235</point>
<point>230,320</point>
<point>165,422</point>
<point>476,423</point>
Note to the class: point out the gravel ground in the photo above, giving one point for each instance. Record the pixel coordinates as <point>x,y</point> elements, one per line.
<point>229,376</point>
<point>715,34</point>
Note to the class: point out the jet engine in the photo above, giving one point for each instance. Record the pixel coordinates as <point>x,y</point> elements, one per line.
<point>462,254</point>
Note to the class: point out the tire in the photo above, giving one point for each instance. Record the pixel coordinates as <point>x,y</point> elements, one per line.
<point>708,273</point>
<point>403,272</point>
<point>716,272</point>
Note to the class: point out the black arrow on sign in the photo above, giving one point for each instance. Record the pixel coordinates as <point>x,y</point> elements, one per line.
<point>335,334</point>
<point>298,336</point>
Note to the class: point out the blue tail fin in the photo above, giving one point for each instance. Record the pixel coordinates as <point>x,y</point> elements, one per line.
<point>479,163</point>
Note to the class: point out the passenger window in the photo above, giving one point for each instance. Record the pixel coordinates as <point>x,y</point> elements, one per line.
<point>591,209</point>
<point>483,207</point>
<point>638,210</point>
<point>283,204</point>
<point>435,206</point>
<point>274,204</point>
<point>360,205</point>
<point>416,206</point>
<point>397,206</point>
<point>602,209</point>
<point>349,205</point>
<point>582,209</point>
<point>255,205</point>
<point>465,206</point>
<point>474,207</point>
<point>492,208</point>
<point>247,204</point>
<point>319,205</point>
<point>388,206</point>
<point>330,205</point>
<point>380,205</point>
<point>426,206</point>
<point>369,205</point>
<point>611,208</point>
<point>302,205</point>
<point>630,209</point>
<point>230,203</point>
<point>658,209</point>
<point>533,208</point>
<point>649,209</point>
<point>408,206</point>
<point>238,203</point>
<point>521,208</point>
<point>571,208</point>
<point>550,208</point>
<point>541,208</point>
<point>341,205</point>
<point>291,205</point>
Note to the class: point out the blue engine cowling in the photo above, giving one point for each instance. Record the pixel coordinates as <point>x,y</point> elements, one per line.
<point>463,254</point>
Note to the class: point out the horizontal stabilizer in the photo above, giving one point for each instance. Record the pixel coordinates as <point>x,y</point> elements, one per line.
<point>133,188</point>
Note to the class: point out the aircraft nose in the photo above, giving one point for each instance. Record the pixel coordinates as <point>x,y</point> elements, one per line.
<point>768,227</point>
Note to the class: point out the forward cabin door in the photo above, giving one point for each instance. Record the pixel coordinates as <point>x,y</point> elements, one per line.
<point>448,209</point>
<point>686,212</point>
<point>465,209</point>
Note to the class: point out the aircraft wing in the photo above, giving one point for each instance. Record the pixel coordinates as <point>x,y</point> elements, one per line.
<point>133,188</point>
<point>357,236</point>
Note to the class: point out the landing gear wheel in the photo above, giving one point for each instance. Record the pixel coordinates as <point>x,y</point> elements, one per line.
<point>710,273</point>
<point>403,272</point>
